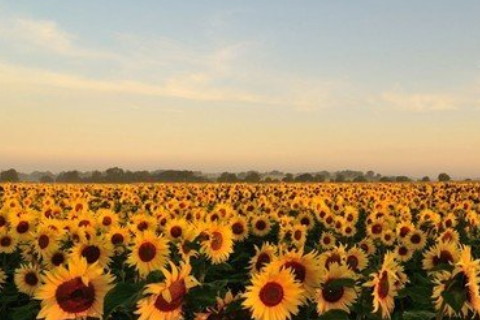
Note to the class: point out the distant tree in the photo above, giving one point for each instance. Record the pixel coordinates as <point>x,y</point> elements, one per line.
<point>96,176</point>
<point>443,177</point>
<point>370,175</point>
<point>46,179</point>
<point>227,177</point>
<point>305,177</point>
<point>360,179</point>
<point>114,175</point>
<point>386,179</point>
<point>252,176</point>
<point>288,178</point>
<point>10,175</point>
<point>319,177</point>
<point>69,176</point>
<point>268,180</point>
<point>402,179</point>
<point>426,179</point>
<point>340,178</point>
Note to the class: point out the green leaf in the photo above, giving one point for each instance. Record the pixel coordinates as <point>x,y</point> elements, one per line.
<point>341,282</point>
<point>26,312</point>
<point>418,315</point>
<point>124,294</point>
<point>442,267</point>
<point>334,315</point>
<point>454,299</point>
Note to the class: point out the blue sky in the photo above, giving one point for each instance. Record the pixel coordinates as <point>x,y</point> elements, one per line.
<point>392,86</point>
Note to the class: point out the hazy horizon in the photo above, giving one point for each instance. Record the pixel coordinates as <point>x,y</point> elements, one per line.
<point>392,87</point>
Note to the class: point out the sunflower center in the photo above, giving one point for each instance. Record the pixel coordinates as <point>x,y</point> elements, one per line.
<point>22,227</point>
<point>74,296</point>
<point>260,225</point>
<point>84,223</point>
<point>31,279</point>
<point>297,235</point>
<point>271,294</point>
<point>178,290</point>
<point>176,231</point>
<point>237,228</point>
<point>327,240</point>
<point>217,240</point>
<point>147,251</point>
<point>117,238</point>
<point>333,258</point>
<point>91,253</point>
<point>377,229</point>
<point>298,269</point>
<point>2,221</point>
<point>305,221</point>
<point>402,251</point>
<point>6,241</point>
<point>142,226</point>
<point>107,221</point>
<point>444,257</point>
<point>416,238</point>
<point>383,286</point>
<point>43,241</point>
<point>262,260</point>
<point>332,294</point>
<point>404,231</point>
<point>57,259</point>
<point>352,262</point>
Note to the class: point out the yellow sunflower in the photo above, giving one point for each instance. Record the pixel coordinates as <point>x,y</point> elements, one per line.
<point>263,257</point>
<point>27,278</point>
<point>149,252</point>
<point>74,292</point>
<point>164,300</point>
<point>217,244</point>
<point>274,295</point>
<point>95,250</point>
<point>330,296</point>
<point>441,253</point>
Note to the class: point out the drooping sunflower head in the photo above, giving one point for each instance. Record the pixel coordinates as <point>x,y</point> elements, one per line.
<point>164,300</point>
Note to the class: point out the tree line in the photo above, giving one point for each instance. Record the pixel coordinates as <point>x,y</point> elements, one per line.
<point>119,175</point>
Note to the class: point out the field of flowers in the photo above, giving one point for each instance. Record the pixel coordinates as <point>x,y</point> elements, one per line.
<point>240,251</point>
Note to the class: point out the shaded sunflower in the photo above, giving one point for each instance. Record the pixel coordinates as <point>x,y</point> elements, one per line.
<point>331,296</point>
<point>263,257</point>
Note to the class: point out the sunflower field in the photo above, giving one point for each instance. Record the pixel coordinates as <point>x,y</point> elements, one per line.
<point>240,251</point>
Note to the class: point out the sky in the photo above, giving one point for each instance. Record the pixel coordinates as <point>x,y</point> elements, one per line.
<point>389,86</point>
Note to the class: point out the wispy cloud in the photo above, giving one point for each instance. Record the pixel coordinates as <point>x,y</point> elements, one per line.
<point>44,35</point>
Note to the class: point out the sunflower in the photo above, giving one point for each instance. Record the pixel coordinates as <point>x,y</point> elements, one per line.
<point>96,250</point>
<point>55,259</point>
<point>304,266</point>
<point>218,243</point>
<point>175,228</point>
<point>331,296</point>
<point>164,300</point>
<point>356,259</point>
<point>21,226</point>
<point>118,236</point>
<point>327,240</point>
<point>8,243</point>
<point>441,253</point>
<point>27,279</point>
<point>274,295</point>
<point>107,218</point>
<point>149,252</point>
<point>261,225</point>
<point>386,283</point>
<point>239,227</point>
<point>45,240</point>
<point>337,254</point>
<point>403,252</point>
<point>299,235</point>
<point>263,257</point>
<point>416,240</point>
<point>74,292</point>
